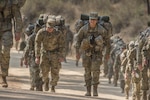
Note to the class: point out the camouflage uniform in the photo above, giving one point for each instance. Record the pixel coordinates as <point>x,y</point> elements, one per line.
<point>108,27</point>
<point>51,46</point>
<point>123,58</point>
<point>69,40</point>
<point>143,60</point>
<point>130,68</point>
<point>118,46</point>
<point>92,58</point>
<point>8,13</point>
<point>29,55</point>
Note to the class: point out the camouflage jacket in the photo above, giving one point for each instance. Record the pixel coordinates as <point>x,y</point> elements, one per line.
<point>49,42</point>
<point>9,13</point>
<point>85,32</point>
<point>29,50</point>
<point>143,51</point>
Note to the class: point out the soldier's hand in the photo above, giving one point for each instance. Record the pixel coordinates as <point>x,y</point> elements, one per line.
<point>61,59</point>
<point>126,76</point>
<point>145,62</point>
<point>78,56</point>
<point>140,67</point>
<point>17,36</point>
<point>37,60</point>
<point>106,57</point>
<point>25,62</point>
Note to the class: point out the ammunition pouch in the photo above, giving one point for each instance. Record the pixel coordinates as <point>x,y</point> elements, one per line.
<point>85,45</point>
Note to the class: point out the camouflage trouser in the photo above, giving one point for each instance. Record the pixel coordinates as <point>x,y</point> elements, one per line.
<point>144,82</point>
<point>34,73</point>
<point>105,64</point>
<point>116,69</point>
<point>91,65</point>
<point>136,90</point>
<point>50,63</point>
<point>127,83</point>
<point>6,42</point>
<point>122,81</point>
<point>110,70</point>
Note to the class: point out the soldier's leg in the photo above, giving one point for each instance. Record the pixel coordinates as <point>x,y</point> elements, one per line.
<point>122,85</point>
<point>116,75</point>
<point>7,43</point>
<point>86,62</point>
<point>55,69</point>
<point>144,83</point>
<point>110,73</point>
<point>31,70</point>
<point>127,86</point>
<point>105,64</point>
<point>45,68</point>
<point>95,73</point>
<point>38,80</point>
<point>137,92</point>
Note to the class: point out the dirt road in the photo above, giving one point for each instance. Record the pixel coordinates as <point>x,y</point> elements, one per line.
<point>70,86</point>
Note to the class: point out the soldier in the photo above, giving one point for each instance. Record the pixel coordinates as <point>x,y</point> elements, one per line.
<point>90,39</point>
<point>123,58</point>
<point>9,11</point>
<point>108,26</point>
<point>143,58</point>
<point>69,40</point>
<point>52,53</point>
<point>130,67</point>
<point>36,81</point>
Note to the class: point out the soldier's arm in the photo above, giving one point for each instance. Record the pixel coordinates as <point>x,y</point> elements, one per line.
<point>61,41</point>
<point>38,40</point>
<point>27,49</point>
<point>107,43</point>
<point>17,18</point>
<point>139,51</point>
<point>79,39</point>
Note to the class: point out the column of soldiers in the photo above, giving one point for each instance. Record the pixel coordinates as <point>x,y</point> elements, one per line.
<point>45,51</point>
<point>47,47</point>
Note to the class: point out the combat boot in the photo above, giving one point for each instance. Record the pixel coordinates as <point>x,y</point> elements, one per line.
<point>122,90</point>
<point>46,85</point>
<point>95,93</point>
<point>88,93</point>
<point>122,85</point>
<point>144,95</point>
<point>39,85</point>
<point>127,94</point>
<point>53,89</point>
<point>109,81</point>
<point>32,88</point>
<point>4,82</point>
